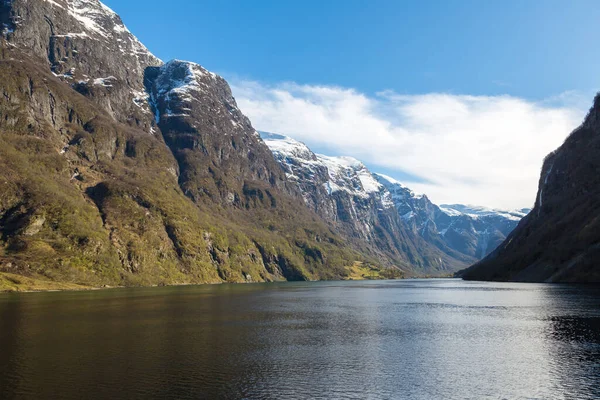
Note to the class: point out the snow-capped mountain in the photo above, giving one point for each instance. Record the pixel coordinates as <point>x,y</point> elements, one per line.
<point>465,232</point>
<point>121,169</point>
<point>343,191</point>
<point>482,212</point>
<point>87,46</point>
<point>214,142</point>
<point>339,188</point>
<point>471,230</point>
<point>129,171</point>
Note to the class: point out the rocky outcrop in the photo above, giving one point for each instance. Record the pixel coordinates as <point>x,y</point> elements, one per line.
<point>341,189</point>
<point>559,241</point>
<point>476,231</point>
<point>387,214</point>
<point>220,155</point>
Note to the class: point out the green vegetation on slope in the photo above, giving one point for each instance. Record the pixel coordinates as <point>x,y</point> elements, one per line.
<point>88,201</point>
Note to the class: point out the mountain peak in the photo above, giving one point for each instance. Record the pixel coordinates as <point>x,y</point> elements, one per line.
<point>286,147</point>
<point>479,211</point>
<point>86,44</point>
<point>396,187</point>
<point>99,21</point>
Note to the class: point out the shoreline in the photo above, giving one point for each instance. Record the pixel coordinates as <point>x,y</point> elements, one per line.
<point>45,286</point>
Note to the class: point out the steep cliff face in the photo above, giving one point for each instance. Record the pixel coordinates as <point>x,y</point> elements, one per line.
<point>119,170</point>
<point>220,155</point>
<point>85,44</point>
<point>341,189</point>
<point>559,241</point>
<point>358,203</point>
<point>333,188</point>
<point>387,214</point>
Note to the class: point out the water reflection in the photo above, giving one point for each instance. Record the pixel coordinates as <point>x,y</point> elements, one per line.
<point>573,340</point>
<point>397,339</point>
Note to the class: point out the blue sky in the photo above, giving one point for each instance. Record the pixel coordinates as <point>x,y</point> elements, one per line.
<point>527,48</point>
<point>460,100</point>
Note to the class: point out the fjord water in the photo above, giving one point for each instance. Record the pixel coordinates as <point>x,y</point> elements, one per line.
<point>411,339</point>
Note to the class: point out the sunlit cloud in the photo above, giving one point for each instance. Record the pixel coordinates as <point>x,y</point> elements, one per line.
<point>485,150</point>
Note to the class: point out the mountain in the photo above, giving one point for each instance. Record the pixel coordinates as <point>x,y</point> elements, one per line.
<point>470,231</point>
<point>477,230</point>
<point>86,45</point>
<point>389,215</point>
<point>559,240</point>
<point>345,193</point>
<point>119,169</point>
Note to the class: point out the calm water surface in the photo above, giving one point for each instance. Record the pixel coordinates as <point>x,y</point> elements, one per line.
<point>415,339</point>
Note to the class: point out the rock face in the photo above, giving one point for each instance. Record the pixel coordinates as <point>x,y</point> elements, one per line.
<point>469,230</point>
<point>476,230</point>
<point>85,44</point>
<point>218,151</point>
<point>341,189</point>
<point>559,241</point>
<point>119,169</point>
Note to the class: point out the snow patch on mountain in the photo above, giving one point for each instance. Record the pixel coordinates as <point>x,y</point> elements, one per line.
<point>450,211</point>
<point>289,147</point>
<point>106,82</point>
<point>401,190</point>
<point>54,3</point>
<point>350,175</point>
<point>102,22</point>
<point>345,173</point>
<point>93,16</point>
<point>182,82</point>
<point>480,212</point>
<point>471,230</point>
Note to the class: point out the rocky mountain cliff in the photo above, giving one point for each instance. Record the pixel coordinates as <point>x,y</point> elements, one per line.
<point>559,241</point>
<point>220,155</point>
<point>117,169</point>
<point>345,193</point>
<point>85,44</point>
<point>377,208</point>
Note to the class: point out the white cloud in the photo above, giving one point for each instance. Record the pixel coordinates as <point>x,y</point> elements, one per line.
<point>485,150</point>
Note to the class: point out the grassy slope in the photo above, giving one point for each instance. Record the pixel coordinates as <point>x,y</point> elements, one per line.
<point>19,283</point>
